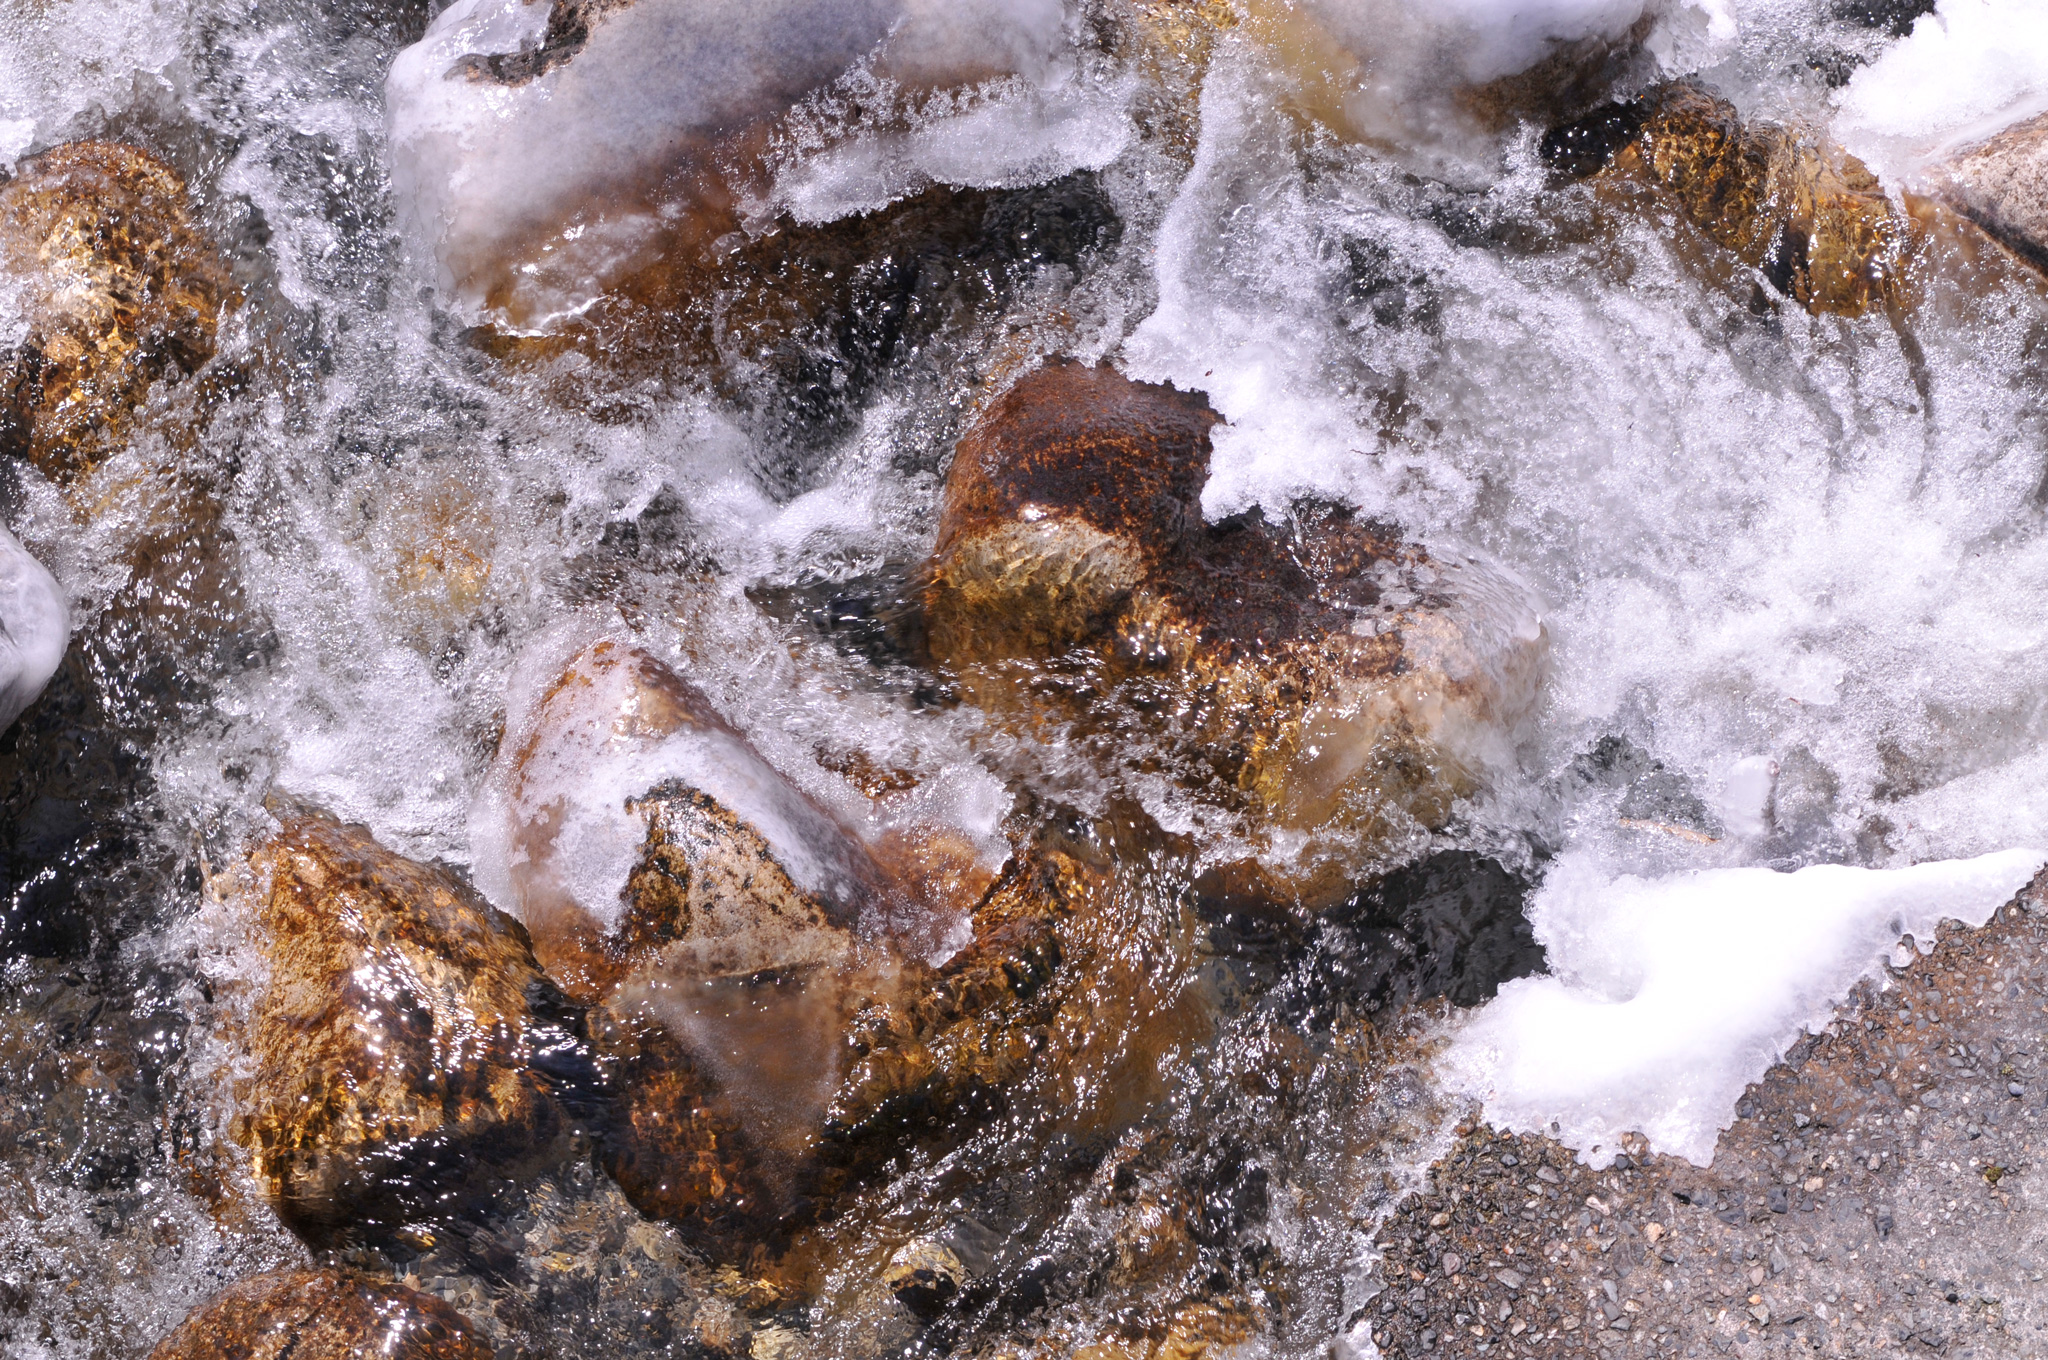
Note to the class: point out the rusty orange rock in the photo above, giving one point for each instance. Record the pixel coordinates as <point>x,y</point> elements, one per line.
<point>119,289</point>
<point>1805,213</point>
<point>322,1315</point>
<point>408,1050</point>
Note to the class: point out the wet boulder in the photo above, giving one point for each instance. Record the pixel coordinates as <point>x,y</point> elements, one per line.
<point>633,828</point>
<point>1334,683</point>
<point>119,290</point>
<point>655,116</point>
<point>322,1315</point>
<point>709,912</point>
<point>1804,213</point>
<point>408,1052</point>
<point>2002,185</point>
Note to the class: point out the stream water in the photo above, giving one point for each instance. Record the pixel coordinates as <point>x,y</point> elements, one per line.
<point>1790,569</point>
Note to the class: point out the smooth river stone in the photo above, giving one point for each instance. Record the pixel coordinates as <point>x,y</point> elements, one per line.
<point>1342,684</point>
<point>409,1054</point>
<point>322,1315</point>
<point>119,289</point>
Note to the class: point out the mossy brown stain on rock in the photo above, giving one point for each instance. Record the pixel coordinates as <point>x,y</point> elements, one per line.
<point>406,1044</point>
<point>1327,671</point>
<point>119,290</point>
<point>322,1315</point>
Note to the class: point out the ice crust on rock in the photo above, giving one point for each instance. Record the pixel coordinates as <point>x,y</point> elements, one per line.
<point>1965,72</point>
<point>1667,996</point>
<point>35,626</point>
<point>481,168</point>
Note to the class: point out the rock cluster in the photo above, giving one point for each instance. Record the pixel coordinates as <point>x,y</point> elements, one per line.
<point>1342,682</point>
<point>408,1050</point>
<point>119,289</point>
<point>322,1315</point>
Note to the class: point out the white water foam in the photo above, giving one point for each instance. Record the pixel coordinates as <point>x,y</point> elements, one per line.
<point>1667,996</point>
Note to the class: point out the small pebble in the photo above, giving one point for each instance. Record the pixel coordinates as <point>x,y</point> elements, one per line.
<point>1452,1261</point>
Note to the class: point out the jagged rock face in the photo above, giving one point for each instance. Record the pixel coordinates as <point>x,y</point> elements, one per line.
<point>2002,186</point>
<point>408,1049</point>
<point>322,1315</point>
<point>1342,682</point>
<point>119,289</point>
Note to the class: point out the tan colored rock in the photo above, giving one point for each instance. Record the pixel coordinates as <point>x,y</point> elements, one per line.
<point>119,289</point>
<point>407,1048</point>
<point>2002,185</point>
<point>322,1315</point>
<point>1340,682</point>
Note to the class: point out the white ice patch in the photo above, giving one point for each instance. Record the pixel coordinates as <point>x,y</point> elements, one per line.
<point>1966,71</point>
<point>35,626</point>
<point>1668,996</point>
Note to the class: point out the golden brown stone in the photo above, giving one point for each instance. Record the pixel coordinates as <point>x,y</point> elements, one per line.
<point>407,1047</point>
<point>119,290</point>
<point>322,1315</point>
<point>1340,682</point>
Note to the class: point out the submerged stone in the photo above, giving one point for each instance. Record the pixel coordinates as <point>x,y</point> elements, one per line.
<point>118,288</point>
<point>1339,683</point>
<point>654,118</point>
<point>322,1315</point>
<point>640,830</point>
<point>408,1051</point>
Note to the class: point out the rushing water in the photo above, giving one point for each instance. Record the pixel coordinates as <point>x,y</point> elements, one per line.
<point>1789,567</point>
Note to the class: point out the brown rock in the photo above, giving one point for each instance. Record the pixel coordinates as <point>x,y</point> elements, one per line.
<point>1812,217</point>
<point>2002,185</point>
<point>407,1047</point>
<point>322,1315</point>
<point>1805,213</point>
<point>119,290</point>
<point>723,986</point>
<point>1341,683</point>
